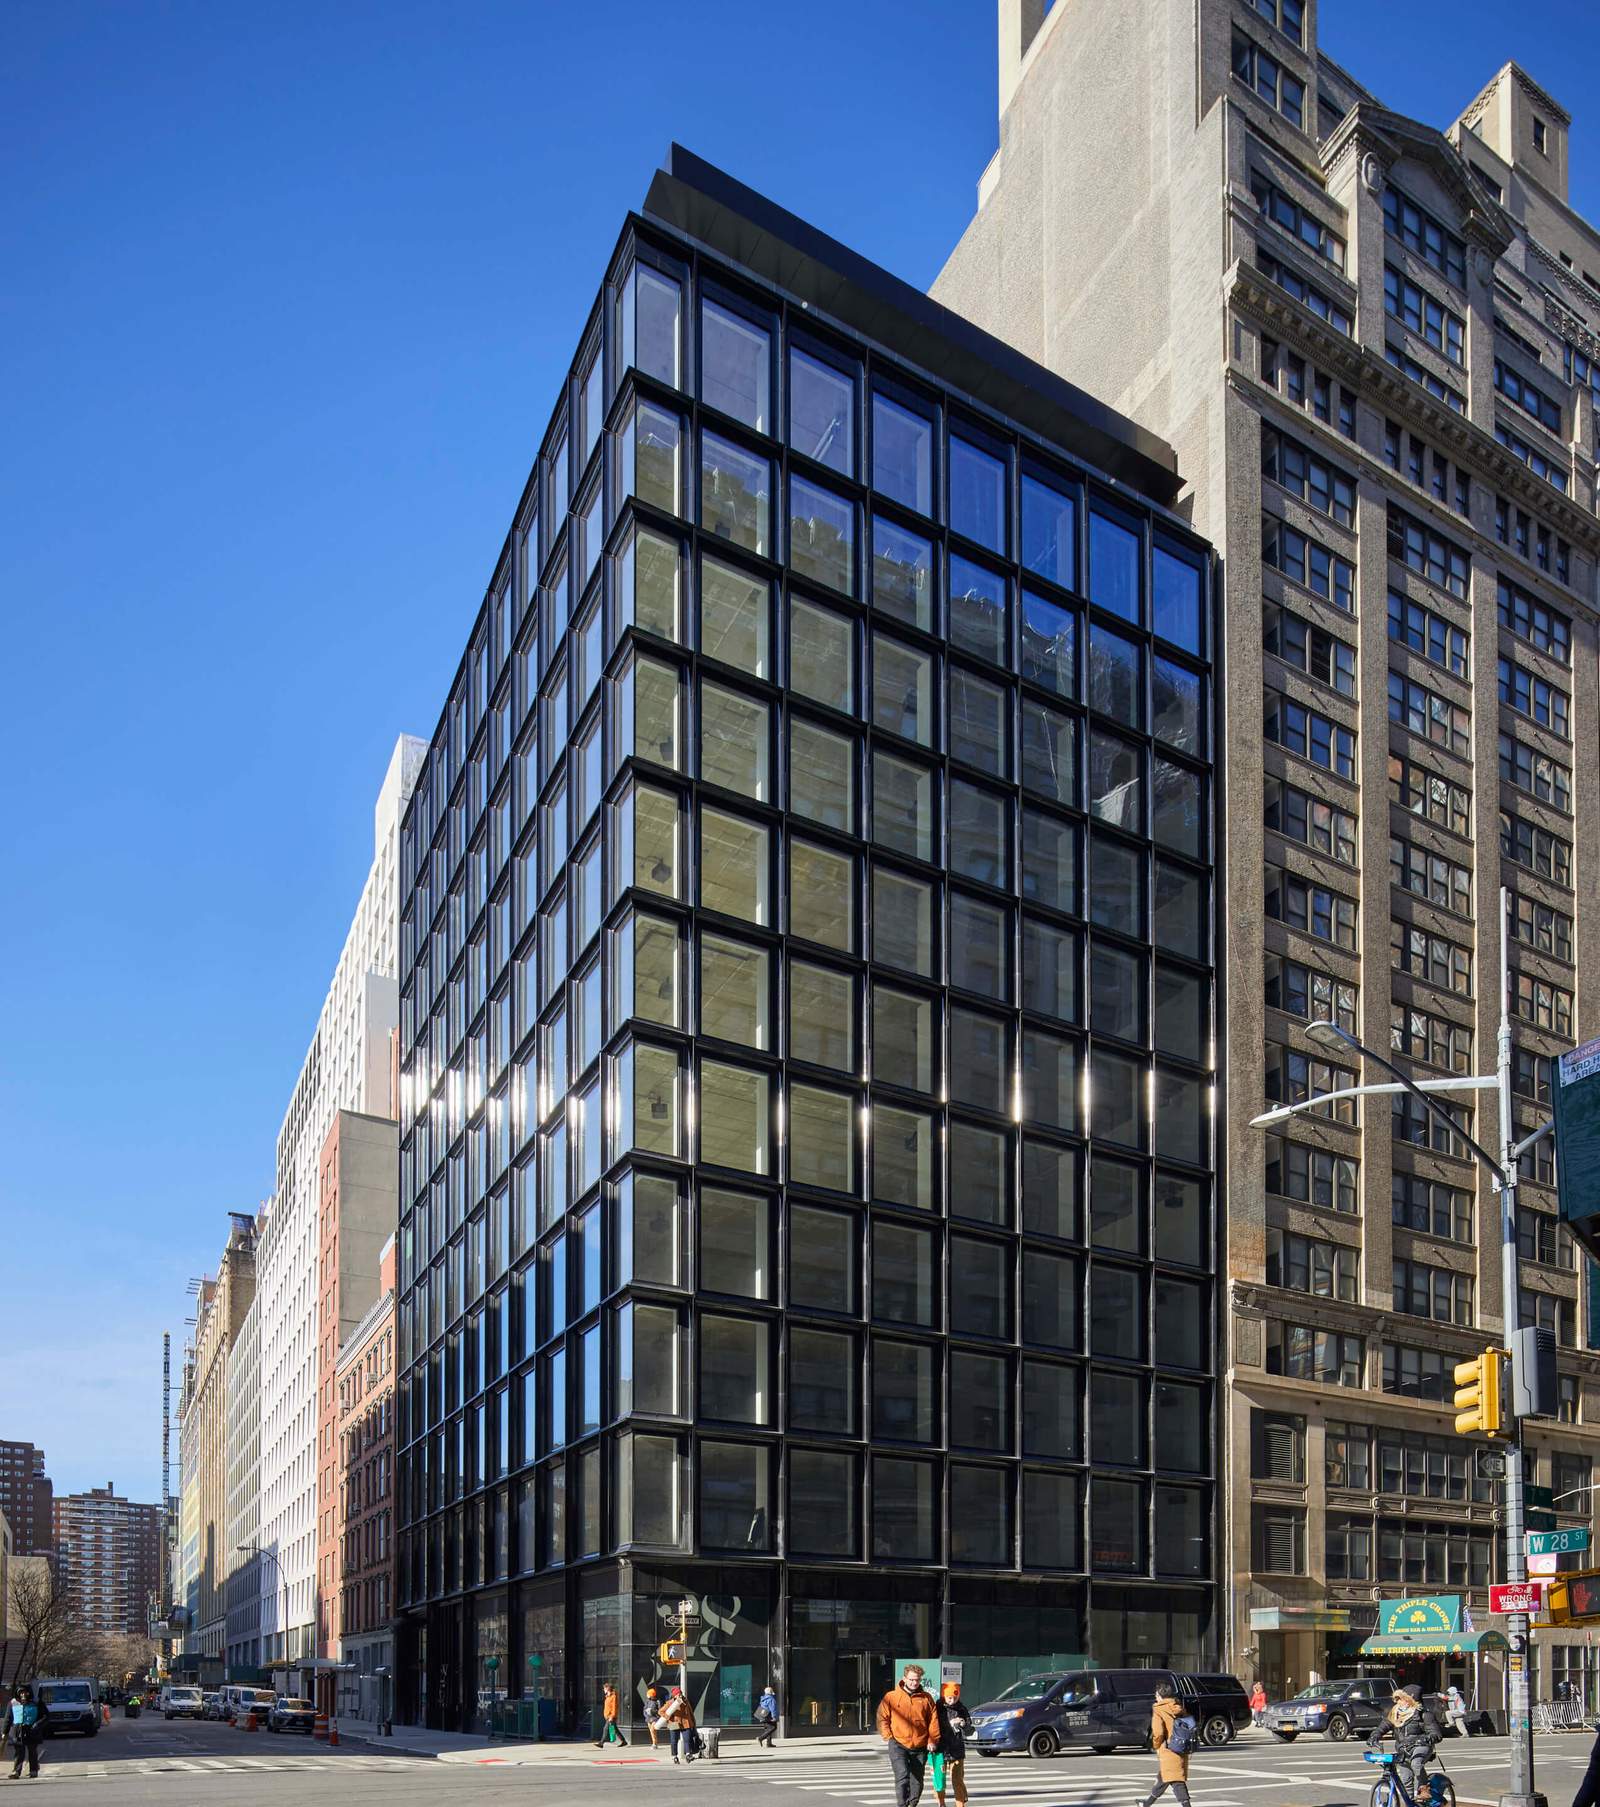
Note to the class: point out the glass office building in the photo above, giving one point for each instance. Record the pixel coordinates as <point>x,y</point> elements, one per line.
<point>807,1016</point>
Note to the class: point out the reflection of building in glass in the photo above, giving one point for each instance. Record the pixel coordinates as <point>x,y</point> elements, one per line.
<point>807,1019</point>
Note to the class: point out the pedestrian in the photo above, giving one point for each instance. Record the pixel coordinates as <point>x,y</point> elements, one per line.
<point>1455,1711</point>
<point>610,1730</point>
<point>27,1730</point>
<point>1588,1794</point>
<point>652,1716</point>
<point>909,1725</point>
<point>950,1759</point>
<point>1172,1733</point>
<point>1416,1735</point>
<point>767,1717</point>
<point>678,1717</point>
<point>1258,1704</point>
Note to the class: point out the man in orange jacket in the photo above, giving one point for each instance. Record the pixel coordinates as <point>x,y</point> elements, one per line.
<point>908,1723</point>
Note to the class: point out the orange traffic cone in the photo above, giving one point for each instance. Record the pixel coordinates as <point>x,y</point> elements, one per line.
<point>333,1731</point>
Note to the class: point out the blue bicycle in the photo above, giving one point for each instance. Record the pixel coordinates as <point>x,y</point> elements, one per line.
<point>1390,1789</point>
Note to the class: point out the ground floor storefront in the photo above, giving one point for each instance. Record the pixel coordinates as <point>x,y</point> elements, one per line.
<point>539,1653</point>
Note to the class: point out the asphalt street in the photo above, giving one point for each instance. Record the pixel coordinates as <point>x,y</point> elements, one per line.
<point>188,1764</point>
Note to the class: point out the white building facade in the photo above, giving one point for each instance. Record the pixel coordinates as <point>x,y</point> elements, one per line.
<point>347,1067</point>
<point>242,1648</point>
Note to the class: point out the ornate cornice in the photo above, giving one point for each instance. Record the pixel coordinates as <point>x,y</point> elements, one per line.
<point>1362,369</point>
<point>1473,113</point>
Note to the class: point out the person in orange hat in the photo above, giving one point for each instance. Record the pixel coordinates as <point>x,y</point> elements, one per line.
<point>950,1760</point>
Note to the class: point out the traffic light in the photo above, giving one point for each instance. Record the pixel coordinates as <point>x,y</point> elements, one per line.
<point>1478,1394</point>
<point>1573,1599</point>
<point>670,1652</point>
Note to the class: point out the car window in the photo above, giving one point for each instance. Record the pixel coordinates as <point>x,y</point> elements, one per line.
<point>1029,1687</point>
<point>66,1693</point>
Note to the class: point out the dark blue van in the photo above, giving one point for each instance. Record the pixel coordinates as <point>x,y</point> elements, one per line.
<point>1101,1709</point>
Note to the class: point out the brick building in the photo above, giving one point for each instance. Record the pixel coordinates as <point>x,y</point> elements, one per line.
<point>365,1382</point>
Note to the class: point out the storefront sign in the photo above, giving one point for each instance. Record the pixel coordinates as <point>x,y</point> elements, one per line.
<point>1527,1596</point>
<point>1422,1612</point>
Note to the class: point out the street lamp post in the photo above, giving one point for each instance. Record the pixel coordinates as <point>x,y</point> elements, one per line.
<point>1504,1169</point>
<point>253,1549</point>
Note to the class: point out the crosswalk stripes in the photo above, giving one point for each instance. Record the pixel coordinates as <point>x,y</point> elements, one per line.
<point>1333,1781</point>
<point>210,1766</point>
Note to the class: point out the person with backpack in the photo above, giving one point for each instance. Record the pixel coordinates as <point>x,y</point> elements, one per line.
<point>652,1716</point>
<point>767,1718</point>
<point>1416,1733</point>
<point>1172,1736</point>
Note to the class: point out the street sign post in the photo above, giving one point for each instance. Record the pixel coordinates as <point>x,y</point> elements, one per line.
<point>1524,1596</point>
<point>1558,1543</point>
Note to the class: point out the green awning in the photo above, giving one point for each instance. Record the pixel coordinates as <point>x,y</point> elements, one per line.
<point>1433,1643</point>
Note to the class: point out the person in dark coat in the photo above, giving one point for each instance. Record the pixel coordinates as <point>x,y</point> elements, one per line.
<point>27,1730</point>
<point>950,1761</point>
<point>1416,1733</point>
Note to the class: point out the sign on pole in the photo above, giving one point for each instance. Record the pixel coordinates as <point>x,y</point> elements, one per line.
<point>1557,1543</point>
<point>1544,1565</point>
<point>1522,1596</point>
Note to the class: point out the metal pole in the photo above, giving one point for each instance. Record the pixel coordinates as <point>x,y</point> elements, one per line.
<point>1519,1698</point>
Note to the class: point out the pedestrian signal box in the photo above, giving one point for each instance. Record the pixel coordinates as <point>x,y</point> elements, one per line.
<point>1573,1599</point>
<point>671,1653</point>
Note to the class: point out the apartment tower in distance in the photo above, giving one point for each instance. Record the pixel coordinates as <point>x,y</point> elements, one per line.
<point>27,1499</point>
<point>109,1558</point>
<point>348,1067</point>
<point>1373,344</point>
<point>826,764</point>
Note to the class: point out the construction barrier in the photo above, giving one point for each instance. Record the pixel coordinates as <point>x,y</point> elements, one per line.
<point>250,1722</point>
<point>319,1726</point>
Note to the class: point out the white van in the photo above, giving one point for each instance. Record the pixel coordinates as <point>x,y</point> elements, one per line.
<point>240,1699</point>
<point>179,1701</point>
<point>71,1703</point>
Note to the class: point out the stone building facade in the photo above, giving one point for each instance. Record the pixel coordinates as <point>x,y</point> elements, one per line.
<point>1373,344</point>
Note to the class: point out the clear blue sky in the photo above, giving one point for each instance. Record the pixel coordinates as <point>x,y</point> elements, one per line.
<point>286,291</point>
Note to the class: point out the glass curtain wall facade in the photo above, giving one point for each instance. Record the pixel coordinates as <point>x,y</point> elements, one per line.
<point>807,1013</point>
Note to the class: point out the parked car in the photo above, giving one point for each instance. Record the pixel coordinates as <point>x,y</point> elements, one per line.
<point>1102,1708</point>
<point>182,1702</point>
<point>211,1705</point>
<point>71,1705</point>
<point>292,1715</point>
<point>1338,1710</point>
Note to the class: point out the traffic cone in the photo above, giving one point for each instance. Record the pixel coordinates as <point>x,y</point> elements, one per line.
<point>333,1733</point>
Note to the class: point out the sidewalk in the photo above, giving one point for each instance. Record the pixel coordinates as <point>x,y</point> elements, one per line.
<point>473,1747</point>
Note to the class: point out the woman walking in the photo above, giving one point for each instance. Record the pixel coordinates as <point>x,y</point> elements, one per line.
<point>27,1730</point>
<point>767,1717</point>
<point>1258,1704</point>
<point>679,1721</point>
<point>1172,1731</point>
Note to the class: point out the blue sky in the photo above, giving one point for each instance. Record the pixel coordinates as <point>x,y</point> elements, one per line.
<point>286,293</point>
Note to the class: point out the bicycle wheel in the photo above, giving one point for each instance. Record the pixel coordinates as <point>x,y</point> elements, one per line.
<point>1382,1792</point>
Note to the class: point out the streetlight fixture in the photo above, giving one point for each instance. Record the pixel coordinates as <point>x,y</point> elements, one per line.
<point>1504,1173</point>
<point>255,1549</point>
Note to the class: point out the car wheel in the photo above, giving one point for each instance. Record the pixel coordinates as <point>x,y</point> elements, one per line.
<point>1284,1737</point>
<point>983,1753</point>
<point>1338,1729</point>
<point>1043,1743</point>
<point>1102,1750</point>
<point>1218,1729</point>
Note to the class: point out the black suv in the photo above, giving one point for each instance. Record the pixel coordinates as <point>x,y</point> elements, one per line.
<point>1337,1710</point>
<point>1101,1709</point>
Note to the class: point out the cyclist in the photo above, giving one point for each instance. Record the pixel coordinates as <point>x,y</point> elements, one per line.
<point>1416,1733</point>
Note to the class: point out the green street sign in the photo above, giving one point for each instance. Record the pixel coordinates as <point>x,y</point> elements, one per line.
<point>1557,1543</point>
<point>1538,1521</point>
<point>1538,1496</point>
